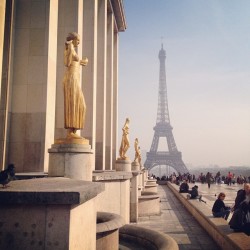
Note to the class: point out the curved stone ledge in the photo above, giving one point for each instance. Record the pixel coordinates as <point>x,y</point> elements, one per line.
<point>148,193</point>
<point>148,205</point>
<point>107,230</point>
<point>146,238</point>
<point>151,181</point>
<point>151,187</point>
<point>162,182</point>
<point>108,221</point>
<point>149,197</point>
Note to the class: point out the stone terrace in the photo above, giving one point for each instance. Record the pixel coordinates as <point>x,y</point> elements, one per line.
<point>178,223</point>
<point>217,228</point>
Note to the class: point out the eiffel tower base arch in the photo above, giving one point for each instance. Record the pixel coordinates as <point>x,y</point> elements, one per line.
<point>173,160</point>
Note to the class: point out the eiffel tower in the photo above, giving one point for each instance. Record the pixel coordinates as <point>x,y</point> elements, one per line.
<point>173,157</point>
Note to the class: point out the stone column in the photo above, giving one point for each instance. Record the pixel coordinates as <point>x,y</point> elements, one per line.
<point>145,175</point>
<point>109,107</point>
<point>89,42</point>
<point>2,21</point>
<point>101,84</point>
<point>143,181</point>
<point>68,157</point>
<point>50,86</point>
<point>134,197</point>
<point>6,24</point>
<point>116,197</point>
<point>70,19</point>
<point>140,186</point>
<point>33,85</point>
<point>115,99</point>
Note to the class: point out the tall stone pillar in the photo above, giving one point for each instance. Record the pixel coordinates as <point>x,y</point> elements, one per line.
<point>101,84</point>
<point>115,99</point>
<point>6,18</point>
<point>109,107</point>
<point>69,157</point>
<point>2,20</point>
<point>70,19</point>
<point>51,79</point>
<point>34,84</point>
<point>90,72</point>
<point>134,197</point>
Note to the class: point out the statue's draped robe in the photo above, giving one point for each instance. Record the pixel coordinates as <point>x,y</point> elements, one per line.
<point>74,103</point>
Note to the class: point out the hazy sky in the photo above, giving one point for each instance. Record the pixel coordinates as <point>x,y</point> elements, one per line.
<point>207,44</point>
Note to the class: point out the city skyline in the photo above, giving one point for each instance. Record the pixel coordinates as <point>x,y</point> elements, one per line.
<point>207,73</point>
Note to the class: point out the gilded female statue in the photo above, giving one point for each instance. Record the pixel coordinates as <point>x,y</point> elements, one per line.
<point>125,141</point>
<point>74,102</point>
<point>137,151</point>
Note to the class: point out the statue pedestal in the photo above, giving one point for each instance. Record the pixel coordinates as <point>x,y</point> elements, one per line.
<point>75,161</point>
<point>123,165</point>
<point>135,166</point>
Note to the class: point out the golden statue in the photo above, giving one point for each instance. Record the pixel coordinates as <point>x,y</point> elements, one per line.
<point>125,141</point>
<point>74,102</point>
<point>139,156</point>
<point>137,152</point>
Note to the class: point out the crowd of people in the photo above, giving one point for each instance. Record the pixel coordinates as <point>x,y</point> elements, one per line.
<point>208,178</point>
<point>228,179</point>
<point>240,220</point>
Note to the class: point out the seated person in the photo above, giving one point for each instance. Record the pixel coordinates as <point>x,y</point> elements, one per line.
<point>184,187</point>
<point>245,206</point>
<point>241,195</point>
<point>240,221</point>
<point>219,209</point>
<point>193,193</point>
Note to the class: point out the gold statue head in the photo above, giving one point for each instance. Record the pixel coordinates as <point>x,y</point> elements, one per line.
<point>74,37</point>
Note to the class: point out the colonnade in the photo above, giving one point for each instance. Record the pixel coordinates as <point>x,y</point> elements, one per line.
<point>32,37</point>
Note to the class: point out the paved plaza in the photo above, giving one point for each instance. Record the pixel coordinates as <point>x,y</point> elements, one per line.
<point>177,222</point>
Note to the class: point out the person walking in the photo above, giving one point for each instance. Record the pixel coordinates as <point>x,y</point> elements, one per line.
<point>229,178</point>
<point>208,179</point>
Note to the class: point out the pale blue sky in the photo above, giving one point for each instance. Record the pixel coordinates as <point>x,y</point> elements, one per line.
<point>207,44</point>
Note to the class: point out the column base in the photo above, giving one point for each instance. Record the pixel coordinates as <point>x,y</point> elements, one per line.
<point>135,166</point>
<point>75,161</point>
<point>123,165</point>
<point>72,140</point>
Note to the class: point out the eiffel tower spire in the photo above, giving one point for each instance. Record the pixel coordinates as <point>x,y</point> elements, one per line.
<point>162,111</point>
<point>172,157</point>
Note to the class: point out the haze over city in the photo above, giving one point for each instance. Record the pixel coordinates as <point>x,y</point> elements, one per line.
<point>207,46</point>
